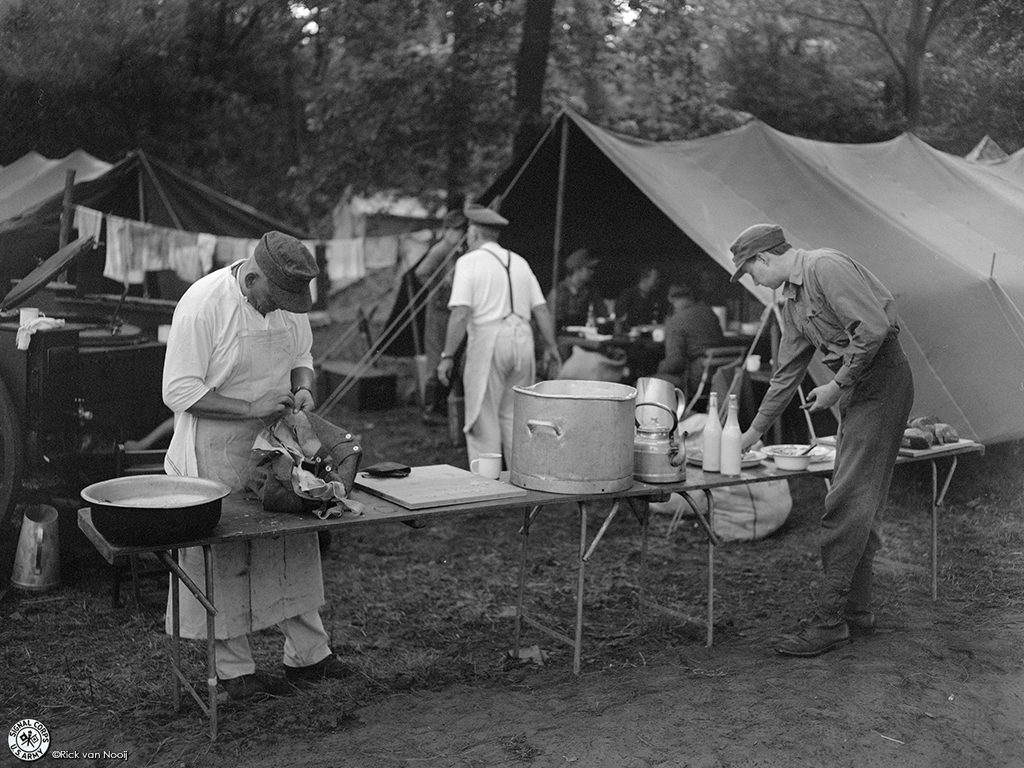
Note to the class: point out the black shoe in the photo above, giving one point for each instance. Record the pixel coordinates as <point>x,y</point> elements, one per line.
<point>330,668</point>
<point>860,622</point>
<point>256,685</point>
<point>814,639</point>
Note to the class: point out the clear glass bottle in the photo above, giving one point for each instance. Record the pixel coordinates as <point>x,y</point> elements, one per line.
<point>732,440</point>
<point>712,447</point>
<point>591,320</point>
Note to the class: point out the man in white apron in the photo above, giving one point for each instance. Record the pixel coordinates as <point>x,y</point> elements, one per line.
<point>238,356</point>
<point>494,294</point>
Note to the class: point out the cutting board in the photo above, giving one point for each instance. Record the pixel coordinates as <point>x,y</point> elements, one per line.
<point>437,486</point>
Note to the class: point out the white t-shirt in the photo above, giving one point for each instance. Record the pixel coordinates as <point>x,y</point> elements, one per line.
<point>481,284</point>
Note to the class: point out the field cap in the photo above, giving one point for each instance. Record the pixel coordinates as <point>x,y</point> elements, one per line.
<point>479,214</point>
<point>752,241</point>
<point>289,268</point>
<point>579,259</point>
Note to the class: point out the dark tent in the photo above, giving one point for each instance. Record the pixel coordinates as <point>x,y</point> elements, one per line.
<point>943,233</point>
<point>139,187</point>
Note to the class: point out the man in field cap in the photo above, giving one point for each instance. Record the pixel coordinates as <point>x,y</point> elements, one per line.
<point>238,357</point>
<point>494,296</point>
<point>834,305</point>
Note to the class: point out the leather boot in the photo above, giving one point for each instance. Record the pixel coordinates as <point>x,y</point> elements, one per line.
<point>814,638</point>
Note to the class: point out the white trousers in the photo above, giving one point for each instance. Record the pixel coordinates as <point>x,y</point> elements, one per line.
<point>305,643</point>
<point>511,366</point>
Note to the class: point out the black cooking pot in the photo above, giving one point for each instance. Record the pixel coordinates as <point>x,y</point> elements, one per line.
<point>155,509</point>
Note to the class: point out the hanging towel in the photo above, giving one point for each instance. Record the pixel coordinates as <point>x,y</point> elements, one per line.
<point>190,254</point>
<point>119,263</point>
<point>381,251</point>
<point>88,222</point>
<point>346,261</point>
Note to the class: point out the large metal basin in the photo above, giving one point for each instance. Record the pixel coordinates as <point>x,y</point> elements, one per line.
<point>155,509</point>
<point>573,436</point>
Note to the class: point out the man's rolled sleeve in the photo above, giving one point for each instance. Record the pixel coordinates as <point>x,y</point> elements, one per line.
<point>189,348</point>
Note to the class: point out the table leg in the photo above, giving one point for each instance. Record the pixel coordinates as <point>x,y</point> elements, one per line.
<point>712,541</point>
<point>643,515</point>
<point>175,637</point>
<point>937,498</point>
<point>579,589</point>
<point>528,516</point>
<point>211,649</point>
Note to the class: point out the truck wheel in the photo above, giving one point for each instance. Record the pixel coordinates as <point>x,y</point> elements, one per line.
<point>10,454</point>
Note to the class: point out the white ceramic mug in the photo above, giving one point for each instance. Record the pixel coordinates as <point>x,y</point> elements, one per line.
<point>488,465</point>
<point>754,363</point>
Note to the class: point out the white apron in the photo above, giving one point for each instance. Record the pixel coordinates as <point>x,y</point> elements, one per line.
<point>479,353</point>
<point>260,582</point>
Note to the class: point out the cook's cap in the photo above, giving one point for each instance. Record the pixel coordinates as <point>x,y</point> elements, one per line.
<point>289,267</point>
<point>752,241</point>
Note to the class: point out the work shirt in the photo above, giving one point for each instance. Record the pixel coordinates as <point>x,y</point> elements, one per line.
<point>210,322</point>
<point>832,304</point>
<point>481,283</point>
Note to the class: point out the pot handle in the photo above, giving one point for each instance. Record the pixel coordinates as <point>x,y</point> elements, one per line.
<point>669,411</point>
<point>533,424</point>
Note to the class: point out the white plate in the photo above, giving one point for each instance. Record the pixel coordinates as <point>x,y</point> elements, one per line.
<point>748,460</point>
<point>818,454</point>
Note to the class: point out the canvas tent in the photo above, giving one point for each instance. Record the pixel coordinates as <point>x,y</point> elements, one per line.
<point>32,178</point>
<point>944,234</point>
<point>139,187</point>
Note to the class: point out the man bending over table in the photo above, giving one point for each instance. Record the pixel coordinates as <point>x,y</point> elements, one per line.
<point>834,304</point>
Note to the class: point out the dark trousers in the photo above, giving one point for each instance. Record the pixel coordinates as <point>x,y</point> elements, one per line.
<point>873,415</point>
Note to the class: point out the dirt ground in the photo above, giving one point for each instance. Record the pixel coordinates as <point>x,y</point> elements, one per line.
<point>424,619</point>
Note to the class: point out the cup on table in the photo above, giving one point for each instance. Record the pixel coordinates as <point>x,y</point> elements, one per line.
<point>27,314</point>
<point>753,363</point>
<point>488,465</point>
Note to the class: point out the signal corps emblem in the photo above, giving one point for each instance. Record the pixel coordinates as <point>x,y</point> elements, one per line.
<point>28,739</point>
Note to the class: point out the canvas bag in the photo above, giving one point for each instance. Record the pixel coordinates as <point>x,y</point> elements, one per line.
<point>303,463</point>
<point>742,512</point>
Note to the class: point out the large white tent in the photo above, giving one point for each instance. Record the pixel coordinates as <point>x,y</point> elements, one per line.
<point>32,178</point>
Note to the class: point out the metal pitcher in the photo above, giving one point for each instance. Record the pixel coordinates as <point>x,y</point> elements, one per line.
<point>37,561</point>
<point>653,397</point>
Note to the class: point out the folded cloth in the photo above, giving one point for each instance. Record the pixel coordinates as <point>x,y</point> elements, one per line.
<point>24,336</point>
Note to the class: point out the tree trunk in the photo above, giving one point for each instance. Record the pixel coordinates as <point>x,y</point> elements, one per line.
<point>531,67</point>
<point>917,44</point>
<point>458,117</point>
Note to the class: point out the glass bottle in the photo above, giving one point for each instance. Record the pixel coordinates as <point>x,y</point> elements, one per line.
<point>732,440</point>
<point>712,450</point>
<point>591,321</point>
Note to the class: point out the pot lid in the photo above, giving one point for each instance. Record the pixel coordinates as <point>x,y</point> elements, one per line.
<point>46,272</point>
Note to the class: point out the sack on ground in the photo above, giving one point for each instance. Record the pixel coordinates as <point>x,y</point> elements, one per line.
<point>587,365</point>
<point>742,512</point>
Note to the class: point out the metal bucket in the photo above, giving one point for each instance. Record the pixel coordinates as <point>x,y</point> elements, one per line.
<point>37,561</point>
<point>572,436</point>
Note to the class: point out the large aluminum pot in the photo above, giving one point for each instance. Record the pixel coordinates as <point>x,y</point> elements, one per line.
<point>573,436</point>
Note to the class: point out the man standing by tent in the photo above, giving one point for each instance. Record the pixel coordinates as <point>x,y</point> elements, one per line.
<point>494,293</point>
<point>834,304</point>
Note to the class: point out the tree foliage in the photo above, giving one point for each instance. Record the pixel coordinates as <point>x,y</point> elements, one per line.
<point>286,104</point>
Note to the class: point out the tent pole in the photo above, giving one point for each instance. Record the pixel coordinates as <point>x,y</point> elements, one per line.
<point>559,211</point>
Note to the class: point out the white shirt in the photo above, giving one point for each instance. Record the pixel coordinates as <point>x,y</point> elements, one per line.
<point>481,283</point>
<point>204,344</point>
